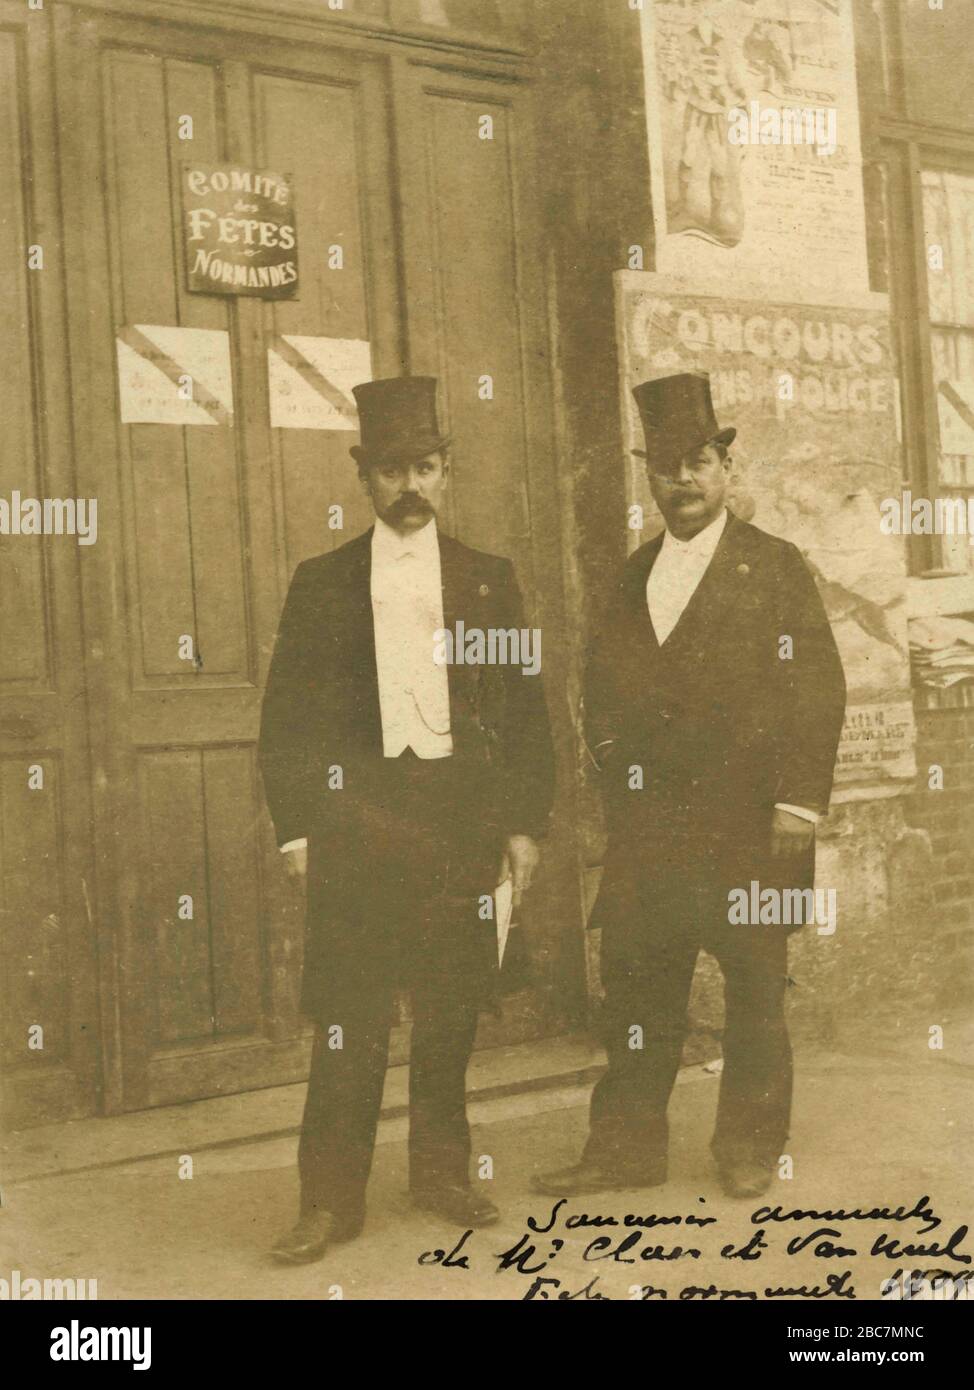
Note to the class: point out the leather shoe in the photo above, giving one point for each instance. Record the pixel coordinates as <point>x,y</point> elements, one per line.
<point>747,1179</point>
<point>586,1176</point>
<point>313,1234</point>
<point>461,1205</point>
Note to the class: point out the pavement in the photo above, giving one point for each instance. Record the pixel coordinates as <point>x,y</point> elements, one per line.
<point>880,1123</point>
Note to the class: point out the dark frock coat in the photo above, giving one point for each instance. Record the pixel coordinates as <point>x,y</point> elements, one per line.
<point>321,711</point>
<point>721,726</point>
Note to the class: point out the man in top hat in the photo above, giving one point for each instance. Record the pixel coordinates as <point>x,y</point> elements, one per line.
<point>714,699</point>
<point>410,789</point>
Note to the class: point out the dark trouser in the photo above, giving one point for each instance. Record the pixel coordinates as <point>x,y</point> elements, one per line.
<point>649,986</point>
<point>416,927</point>
<point>345,1092</point>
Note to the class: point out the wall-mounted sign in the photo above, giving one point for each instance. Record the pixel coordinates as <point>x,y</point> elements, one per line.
<point>239,232</point>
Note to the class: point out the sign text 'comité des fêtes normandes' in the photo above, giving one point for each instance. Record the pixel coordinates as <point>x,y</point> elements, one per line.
<point>239,231</point>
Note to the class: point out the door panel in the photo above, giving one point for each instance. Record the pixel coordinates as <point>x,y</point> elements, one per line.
<point>191,941</point>
<point>478,330</point>
<point>24,628</point>
<point>183,524</point>
<point>207,982</point>
<point>316,132</point>
<point>48,1001</point>
<point>477,308</point>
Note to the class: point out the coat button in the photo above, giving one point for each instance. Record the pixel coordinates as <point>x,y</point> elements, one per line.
<point>743,570</point>
<point>483,591</point>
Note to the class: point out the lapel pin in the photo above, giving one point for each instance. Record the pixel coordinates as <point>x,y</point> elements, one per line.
<point>744,570</point>
<point>483,591</point>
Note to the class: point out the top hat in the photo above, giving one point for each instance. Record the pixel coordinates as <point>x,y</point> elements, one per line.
<point>397,420</point>
<point>677,415</point>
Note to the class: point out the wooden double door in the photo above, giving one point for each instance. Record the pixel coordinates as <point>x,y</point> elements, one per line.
<point>174,970</point>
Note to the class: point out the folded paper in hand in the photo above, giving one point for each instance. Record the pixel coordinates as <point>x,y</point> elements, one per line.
<point>503,912</point>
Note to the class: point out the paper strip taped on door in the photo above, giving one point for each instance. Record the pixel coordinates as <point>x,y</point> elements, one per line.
<point>310,381</point>
<point>956,420</point>
<point>174,376</point>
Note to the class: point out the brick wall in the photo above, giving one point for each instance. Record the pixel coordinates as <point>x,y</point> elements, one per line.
<point>946,737</point>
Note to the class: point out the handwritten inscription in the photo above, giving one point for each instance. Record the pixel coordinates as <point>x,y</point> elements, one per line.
<point>547,1264</point>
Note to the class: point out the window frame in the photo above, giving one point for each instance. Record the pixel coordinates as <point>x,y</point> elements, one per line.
<point>906,152</point>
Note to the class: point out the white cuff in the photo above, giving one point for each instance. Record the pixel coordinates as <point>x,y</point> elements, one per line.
<point>801,811</point>
<point>294,844</point>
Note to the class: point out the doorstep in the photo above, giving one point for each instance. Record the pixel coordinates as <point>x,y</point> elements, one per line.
<point>73,1146</point>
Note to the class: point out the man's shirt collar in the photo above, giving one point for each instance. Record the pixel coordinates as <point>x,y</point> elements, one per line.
<point>388,544</point>
<point>704,543</point>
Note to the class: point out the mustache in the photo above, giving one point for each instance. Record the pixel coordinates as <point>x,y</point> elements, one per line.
<point>410,501</point>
